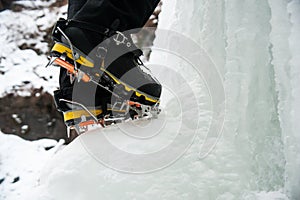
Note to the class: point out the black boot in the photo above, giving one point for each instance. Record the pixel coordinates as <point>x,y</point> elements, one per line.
<point>120,64</point>
<point>120,70</point>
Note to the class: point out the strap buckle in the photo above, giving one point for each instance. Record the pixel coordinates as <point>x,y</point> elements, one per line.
<point>120,38</point>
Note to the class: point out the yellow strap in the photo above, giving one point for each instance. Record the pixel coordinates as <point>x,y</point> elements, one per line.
<point>61,48</point>
<point>78,113</point>
<point>74,114</point>
<point>129,88</point>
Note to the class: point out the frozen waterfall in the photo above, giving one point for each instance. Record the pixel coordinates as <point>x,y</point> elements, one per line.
<point>256,47</point>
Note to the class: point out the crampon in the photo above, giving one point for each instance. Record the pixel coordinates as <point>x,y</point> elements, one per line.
<point>122,109</point>
<point>80,118</point>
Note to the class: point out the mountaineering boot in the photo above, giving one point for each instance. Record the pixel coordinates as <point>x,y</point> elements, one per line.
<point>123,69</point>
<point>114,66</point>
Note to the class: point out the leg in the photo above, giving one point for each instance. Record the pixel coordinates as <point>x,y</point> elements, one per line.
<point>74,6</point>
<point>130,13</point>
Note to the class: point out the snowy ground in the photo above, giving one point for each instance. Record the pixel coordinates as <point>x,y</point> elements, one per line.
<point>22,68</point>
<point>21,163</point>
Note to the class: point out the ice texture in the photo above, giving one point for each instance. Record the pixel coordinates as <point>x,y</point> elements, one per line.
<point>255,46</point>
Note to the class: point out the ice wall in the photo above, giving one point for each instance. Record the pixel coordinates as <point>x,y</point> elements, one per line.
<point>255,46</point>
<point>285,36</point>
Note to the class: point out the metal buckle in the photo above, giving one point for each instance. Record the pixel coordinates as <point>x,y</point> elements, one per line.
<point>120,38</point>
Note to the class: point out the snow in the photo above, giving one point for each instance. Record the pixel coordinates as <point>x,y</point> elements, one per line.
<point>21,163</point>
<point>35,4</point>
<point>229,127</point>
<point>22,66</point>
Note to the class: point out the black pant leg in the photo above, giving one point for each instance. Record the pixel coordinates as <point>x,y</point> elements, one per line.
<point>74,6</point>
<point>131,13</point>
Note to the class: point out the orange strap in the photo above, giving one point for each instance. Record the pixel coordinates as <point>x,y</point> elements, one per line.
<point>91,122</point>
<point>132,103</point>
<point>71,69</point>
<point>86,123</point>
